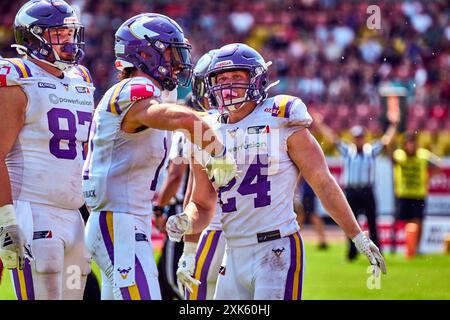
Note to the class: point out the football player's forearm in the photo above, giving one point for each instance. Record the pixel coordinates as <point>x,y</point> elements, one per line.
<point>187,194</point>
<point>192,237</point>
<point>167,116</point>
<point>171,185</point>
<point>335,203</point>
<point>202,135</point>
<point>199,217</point>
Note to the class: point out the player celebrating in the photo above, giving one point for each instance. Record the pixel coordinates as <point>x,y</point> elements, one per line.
<point>202,262</point>
<point>271,142</point>
<point>47,101</point>
<point>128,146</point>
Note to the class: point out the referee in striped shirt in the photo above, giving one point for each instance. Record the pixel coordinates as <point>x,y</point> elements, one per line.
<point>359,172</point>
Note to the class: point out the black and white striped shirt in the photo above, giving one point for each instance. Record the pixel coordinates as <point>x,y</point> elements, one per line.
<point>359,168</point>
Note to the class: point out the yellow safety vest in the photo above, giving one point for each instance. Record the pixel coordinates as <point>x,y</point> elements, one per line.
<point>411,174</point>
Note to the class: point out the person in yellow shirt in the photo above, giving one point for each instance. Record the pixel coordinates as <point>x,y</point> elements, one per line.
<point>411,173</point>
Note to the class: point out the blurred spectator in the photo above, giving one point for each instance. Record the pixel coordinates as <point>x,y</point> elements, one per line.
<point>411,165</point>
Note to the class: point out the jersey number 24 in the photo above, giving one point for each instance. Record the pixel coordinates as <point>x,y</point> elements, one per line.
<point>257,170</point>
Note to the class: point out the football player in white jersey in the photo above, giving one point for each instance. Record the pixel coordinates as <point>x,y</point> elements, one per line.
<point>46,99</point>
<point>272,145</point>
<point>202,254</point>
<point>128,145</point>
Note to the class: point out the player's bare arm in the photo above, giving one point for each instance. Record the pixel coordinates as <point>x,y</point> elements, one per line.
<point>175,173</point>
<point>197,215</point>
<point>200,209</point>
<point>306,153</point>
<point>187,194</point>
<point>314,169</point>
<point>165,116</point>
<point>13,105</point>
<point>202,206</point>
<point>13,102</point>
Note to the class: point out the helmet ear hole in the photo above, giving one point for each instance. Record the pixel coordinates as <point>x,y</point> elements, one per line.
<point>264,82</point>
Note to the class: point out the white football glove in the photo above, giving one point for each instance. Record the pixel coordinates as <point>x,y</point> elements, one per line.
<point>12,240</point>
<point>186,266</point>
<point>222,168</point>
<point>371,251</point>
<point>177,226</point>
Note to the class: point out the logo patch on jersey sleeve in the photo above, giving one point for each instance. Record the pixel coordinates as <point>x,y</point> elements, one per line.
<point>46,85</point>
<point>141,91</point>
<point>281,107</point>
<point>47,234</point>
<point>81,89</point>
<point>258,129</point>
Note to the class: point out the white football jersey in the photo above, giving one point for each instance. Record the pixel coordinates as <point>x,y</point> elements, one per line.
<point>260,199</point>
<point>121,171</point>
<point>45,162</point>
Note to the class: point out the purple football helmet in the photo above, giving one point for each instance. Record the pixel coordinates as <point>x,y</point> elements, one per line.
<point>143,41</point>
<point>237,56</point>
<point>198,80</point>
<point>37,18</point>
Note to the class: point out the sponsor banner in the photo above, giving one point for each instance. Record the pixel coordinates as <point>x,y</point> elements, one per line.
<point>435,230</point>
<point>438,200</point>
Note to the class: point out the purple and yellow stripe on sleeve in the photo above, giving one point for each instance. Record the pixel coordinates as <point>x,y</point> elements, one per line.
<point>21,68</point>
<point>282,106</point>
<point>23,282</point>
<point>139,291</point>
<point>203,259</point>
<point>113,103</point>
<point>84,73</point>
<point>294,281</point>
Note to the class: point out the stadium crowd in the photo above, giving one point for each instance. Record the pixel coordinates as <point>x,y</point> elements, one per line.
<point>322,51</point>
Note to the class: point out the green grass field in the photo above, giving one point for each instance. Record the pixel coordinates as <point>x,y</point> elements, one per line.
<point>329,276</point>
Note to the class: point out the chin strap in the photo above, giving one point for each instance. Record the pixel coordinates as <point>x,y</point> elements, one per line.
<point>22,50</point>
